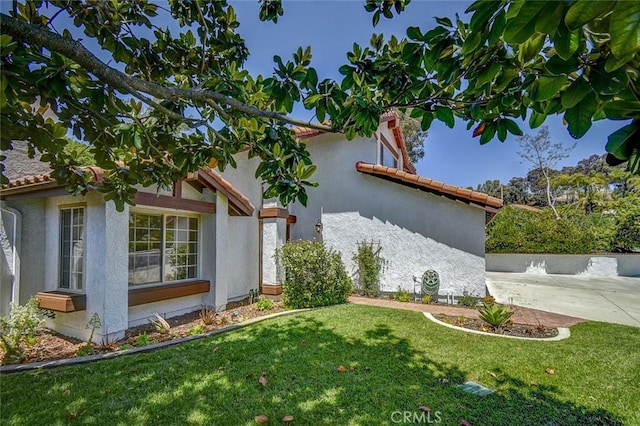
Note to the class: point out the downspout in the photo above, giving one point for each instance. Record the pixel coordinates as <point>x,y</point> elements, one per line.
<point>15,285</point>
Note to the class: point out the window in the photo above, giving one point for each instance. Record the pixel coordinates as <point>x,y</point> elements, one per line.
<point>162,248</point>
<point>71,248</point>
<point>387,157</point>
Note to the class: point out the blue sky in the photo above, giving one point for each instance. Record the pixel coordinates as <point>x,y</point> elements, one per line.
<point>331,28</point>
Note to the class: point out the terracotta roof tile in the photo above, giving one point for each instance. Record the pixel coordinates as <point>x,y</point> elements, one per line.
<point>237,200</point>
<point>430,185</point>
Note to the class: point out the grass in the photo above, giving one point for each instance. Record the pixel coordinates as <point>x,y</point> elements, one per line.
<point>395,361</point>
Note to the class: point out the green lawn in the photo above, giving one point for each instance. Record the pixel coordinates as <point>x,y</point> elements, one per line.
<point>395,361</point>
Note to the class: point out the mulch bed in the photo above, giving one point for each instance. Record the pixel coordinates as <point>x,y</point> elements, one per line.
<point>510,329</point>
<point>51,346</point>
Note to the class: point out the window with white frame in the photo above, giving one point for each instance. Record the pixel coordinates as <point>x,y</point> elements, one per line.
<point>162,248</point>
<point>387,157</point>
<point>72,235</point>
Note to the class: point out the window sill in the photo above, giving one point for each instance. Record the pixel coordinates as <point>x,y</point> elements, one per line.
<point>141,296</point>
<point>62,301</point>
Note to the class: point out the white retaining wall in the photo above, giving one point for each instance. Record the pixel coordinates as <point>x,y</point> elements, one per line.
<point>608,265</point>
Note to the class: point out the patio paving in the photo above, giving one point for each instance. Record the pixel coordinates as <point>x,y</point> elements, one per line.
<point>607,299</point>
<point>522,315</point>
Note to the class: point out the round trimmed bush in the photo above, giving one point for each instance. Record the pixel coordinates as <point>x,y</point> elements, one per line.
<point>315,275</point>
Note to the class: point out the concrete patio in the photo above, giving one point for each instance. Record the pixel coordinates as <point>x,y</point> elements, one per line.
<point>608,299</point>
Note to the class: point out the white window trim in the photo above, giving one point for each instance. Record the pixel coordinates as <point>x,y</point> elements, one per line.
<point>164,213</point>
<point>62,208</point>
<point>381,145</point>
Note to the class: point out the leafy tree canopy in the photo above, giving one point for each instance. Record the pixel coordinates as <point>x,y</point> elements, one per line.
<point>171,99</point>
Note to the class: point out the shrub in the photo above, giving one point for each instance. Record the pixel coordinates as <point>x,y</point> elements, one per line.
<point>197,329</point>
<point>495,315</point>
<point>315,275</point>
<point>161,325</point>
<point>264,304</point>
<point>402,295</point>
<point>207,315</point>
<point>627,236</point>
<point>488,300</point>
<point>19,328</point>
<point>467,299</point>
<point>370,264</point>
<point>523,231</point>
<point>426,299</point>
<point>144,339</point>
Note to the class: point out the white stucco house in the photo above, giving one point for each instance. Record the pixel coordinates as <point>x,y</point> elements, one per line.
<point>213,238</point>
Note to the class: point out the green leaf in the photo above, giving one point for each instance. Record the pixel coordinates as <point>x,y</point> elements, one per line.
<point>575,93</point>
<point>617,110</point>
<point>523,25</point>
<point>445,115</point>
<point>308,172</point>
<point>472,42</point>
<point>583,12</point>
<point>548,87</point>
<point>608,83</point>
<point>530,48</point>
<point>502,131</point>
<point>444,21</point>
<point>346,70</point>
<point>414,33</point>
<point>579,117</point>
<point>619,142</point>
<point>557,65</point>
<point>513,127</point>
<point>613,63</point>
<point>488,133</point>
<point>427,119</point>
<point>624,27</point>
<point>498,27</point>
<point>536,119</point>
<point>550,17</point>
<point>566,41</point>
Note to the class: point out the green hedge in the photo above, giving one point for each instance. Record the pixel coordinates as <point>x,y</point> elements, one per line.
<point>523,231</point>
<point>315,275</point>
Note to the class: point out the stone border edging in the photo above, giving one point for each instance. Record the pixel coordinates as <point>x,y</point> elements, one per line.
<point>563,332</point>
<point>15,368</point>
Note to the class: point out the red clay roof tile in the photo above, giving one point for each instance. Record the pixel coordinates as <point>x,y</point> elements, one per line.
<point>429,185</point>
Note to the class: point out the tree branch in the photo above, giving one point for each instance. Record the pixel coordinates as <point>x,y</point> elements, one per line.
<point>75,51</point>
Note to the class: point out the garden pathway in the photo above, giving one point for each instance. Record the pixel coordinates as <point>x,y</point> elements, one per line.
<point>522,315</point>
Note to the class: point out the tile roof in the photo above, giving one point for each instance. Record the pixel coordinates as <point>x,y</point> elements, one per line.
<point>390,117</point>
<point>429,185</point>
<point>238,202</point>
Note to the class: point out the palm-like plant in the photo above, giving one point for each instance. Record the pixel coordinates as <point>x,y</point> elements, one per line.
<point>495,315</point>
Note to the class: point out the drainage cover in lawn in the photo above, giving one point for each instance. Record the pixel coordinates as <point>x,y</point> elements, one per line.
<point>475,388</point>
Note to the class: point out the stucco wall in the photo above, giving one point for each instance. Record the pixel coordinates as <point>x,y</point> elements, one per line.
<point>610,265</point>
<point>10,225</point>
<point>32,249</point>
<point>240,256</point>
<point>417,230</point>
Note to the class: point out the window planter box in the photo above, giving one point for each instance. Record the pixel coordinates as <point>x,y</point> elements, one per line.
<point>62,301</point>
<point>140,296</point>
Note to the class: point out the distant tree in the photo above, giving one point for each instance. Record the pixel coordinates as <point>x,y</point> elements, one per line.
<point>515,192</point>
<point>536,186</point>
<point>544,155</point>
<point>414,136</point>
<point>624,181</point>
<point>592,164</point>
<point>491,187</point>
